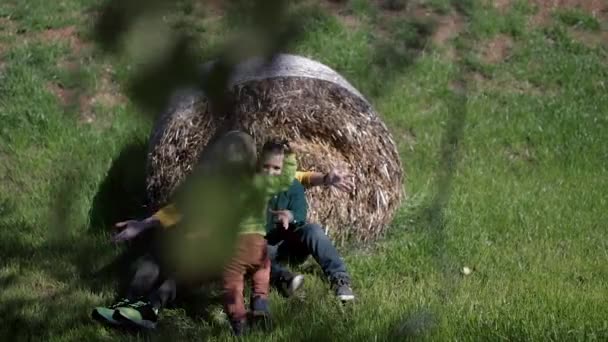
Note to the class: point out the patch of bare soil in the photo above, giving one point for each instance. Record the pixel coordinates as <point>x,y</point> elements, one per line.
<point>497,49</point>
<point>502,5</point>
<point>6,24</point>
<point>393,5</point>
<point>72,98</point>
<point>106,94</point>
<point>508,85</point>
<point>215,6</point>
<point>448,27</point>
<point>524,153</point>
<point>66,96</point>
<point>7,28</point>
<point>596,8</point>
<point>342,11</point>
<point>68,34</point>
<point>590,39</point>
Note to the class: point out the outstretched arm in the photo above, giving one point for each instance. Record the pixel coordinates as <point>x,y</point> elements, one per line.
<point>132,228</point>
<point>341,180</point>
<point>166,217</point>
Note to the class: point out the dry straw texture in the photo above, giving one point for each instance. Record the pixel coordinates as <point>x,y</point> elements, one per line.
<point>303,101</point>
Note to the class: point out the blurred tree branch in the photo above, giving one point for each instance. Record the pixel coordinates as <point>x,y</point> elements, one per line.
<point>174,63</point>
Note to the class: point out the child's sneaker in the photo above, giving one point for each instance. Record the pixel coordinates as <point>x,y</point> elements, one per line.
<point>260,314</point>
<point>239,328</point>
<point>343,290</point>
<point>104,314</point>
<point>141,314</point>
<point>288,286</point>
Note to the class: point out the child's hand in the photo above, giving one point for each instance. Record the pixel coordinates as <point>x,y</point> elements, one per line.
<point>130,229</point>
<point>283,217</point>
<point>341,180</point>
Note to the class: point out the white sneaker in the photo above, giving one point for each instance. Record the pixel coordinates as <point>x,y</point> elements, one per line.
<point>291,286</point>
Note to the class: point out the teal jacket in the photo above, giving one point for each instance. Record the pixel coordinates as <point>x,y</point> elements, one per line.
<point>294,200</point>
<point>252,200</point>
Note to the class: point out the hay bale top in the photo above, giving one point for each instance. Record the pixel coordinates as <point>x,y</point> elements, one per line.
<point>284,65</point>
<point>332,121</point>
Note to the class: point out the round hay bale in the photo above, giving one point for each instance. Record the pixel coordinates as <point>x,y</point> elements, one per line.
<point>304,101</point>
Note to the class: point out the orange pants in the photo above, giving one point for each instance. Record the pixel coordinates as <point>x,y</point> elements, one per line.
<point>250,258</point>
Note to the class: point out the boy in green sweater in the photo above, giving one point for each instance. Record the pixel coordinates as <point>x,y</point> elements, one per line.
<point>251,255</point>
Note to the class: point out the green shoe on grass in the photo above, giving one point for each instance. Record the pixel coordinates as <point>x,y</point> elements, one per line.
<point>105,314</point>
<point>139,314</point>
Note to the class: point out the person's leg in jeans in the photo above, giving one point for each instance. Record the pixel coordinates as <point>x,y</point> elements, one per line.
<point>311,239</point>
<point>164,294</point>
<point>145,277</point>
<point>280,277</point>
<point>143,308</point>
<point>277,270</point>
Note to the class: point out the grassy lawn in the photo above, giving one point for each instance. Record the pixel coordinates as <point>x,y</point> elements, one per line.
<point>499,113</point>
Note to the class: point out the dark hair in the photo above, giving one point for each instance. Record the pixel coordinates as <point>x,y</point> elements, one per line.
<point>275,146</point>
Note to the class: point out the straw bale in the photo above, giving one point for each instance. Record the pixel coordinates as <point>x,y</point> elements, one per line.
<point>334,123</point>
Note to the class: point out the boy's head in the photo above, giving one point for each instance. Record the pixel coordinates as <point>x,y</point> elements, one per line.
<point>235,151</point>
<point>240,150</point>
<point>271,157</point>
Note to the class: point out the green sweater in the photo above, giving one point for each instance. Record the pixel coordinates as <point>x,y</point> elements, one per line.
<point>263,188</point>
<point>252,199</point>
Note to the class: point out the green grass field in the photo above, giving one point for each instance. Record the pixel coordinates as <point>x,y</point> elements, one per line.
<point>499,113</point>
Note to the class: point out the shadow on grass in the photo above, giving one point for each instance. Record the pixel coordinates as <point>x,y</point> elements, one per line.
<point>64,312</point>
<point>62,271</point>
<point>69,259</point>
<point>122,194</point>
